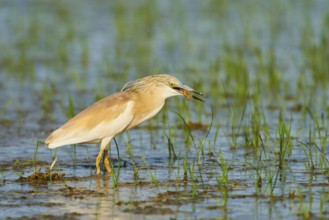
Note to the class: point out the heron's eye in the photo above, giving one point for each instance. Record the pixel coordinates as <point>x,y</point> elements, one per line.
<point>171,85</point>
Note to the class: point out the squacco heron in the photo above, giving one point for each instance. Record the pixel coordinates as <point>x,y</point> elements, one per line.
<point>137,102</point>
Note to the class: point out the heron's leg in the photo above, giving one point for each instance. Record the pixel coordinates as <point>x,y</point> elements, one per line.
<point>106,161</point>
<point>104,147</point>
<point>98,160</point>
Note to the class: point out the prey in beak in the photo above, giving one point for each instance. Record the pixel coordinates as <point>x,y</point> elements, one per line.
<point>189,93</point>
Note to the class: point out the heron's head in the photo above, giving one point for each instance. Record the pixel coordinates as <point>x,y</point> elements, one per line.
<point>165,85</point>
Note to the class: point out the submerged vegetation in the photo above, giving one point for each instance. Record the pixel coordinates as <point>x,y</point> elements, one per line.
<point>260,142</point>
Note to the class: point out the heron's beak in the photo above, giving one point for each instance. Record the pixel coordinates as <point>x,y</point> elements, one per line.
<point>189,93</point>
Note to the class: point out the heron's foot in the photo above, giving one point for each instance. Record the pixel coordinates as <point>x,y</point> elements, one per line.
<point>98,170</point>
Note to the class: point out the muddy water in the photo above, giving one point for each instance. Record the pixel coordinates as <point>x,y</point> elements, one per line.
<point>82,195</point>
<point>54,52</point>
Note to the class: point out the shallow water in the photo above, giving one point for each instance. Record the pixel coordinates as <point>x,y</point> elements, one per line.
<point>263,66</point>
